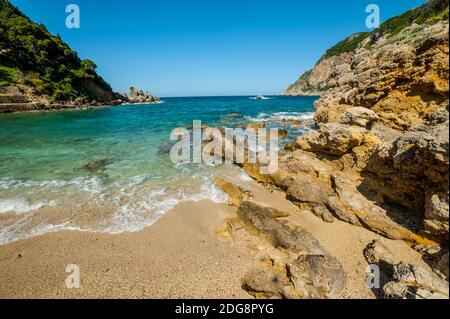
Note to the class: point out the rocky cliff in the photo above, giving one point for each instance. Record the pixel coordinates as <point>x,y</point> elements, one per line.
<point>399,70</point>
<point>379,157</point>
<point>384,114</point>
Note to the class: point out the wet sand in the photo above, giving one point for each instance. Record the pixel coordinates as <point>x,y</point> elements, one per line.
<point>178,257</point>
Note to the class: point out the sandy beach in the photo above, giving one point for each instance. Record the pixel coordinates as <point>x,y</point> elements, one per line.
<point>180,256</point>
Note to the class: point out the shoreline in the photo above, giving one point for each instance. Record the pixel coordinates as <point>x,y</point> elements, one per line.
<point>37,107</point>
<point>179,256</point>
<point>185,254</point>
<point>32,107</point>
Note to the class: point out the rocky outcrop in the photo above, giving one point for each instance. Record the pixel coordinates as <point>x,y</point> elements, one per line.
<point>380,155</point>
<point>297,267</point>
<point>400,280</point>
<point>138,96</point>
<point>400,72</point>
<point>315,81</point>
<point>307,277</point>
<point>235,193</point>
<point>265,221</point>
<point>404,82</point>
<point>367,174</point>
<point>378,159</point>
<point>391,182</point>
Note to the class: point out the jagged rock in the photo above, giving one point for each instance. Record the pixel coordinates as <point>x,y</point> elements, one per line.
<point>268,280</point>
<point>265,221</point>
<point>424,146</point>
<point>307,180</point>
<point>441,265</point>
<point>322,212</point>
<point>235,193</point>
<point>298,269</point>
<point>317,276</point>
<point>341,211</point>
<point>377,252</point>
<point>335,139</point>
<point>305,188</point>
<point>439,116</point>
<point>97,166</point>
<point>256,126</point>
<point>370,215</point>
<point>139,96</point>
<point>412,282</point>
<point>436,212</point>
<point>359,116</point>
<point>412,171</point>
<point>404,281</point>
<point>306,277</point>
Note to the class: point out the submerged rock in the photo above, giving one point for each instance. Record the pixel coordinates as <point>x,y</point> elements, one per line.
<point>97,166</point>
<point>257,125</point>
<point>165,148</point>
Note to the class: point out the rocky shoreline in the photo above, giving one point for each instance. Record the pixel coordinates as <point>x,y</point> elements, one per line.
<point>20,102</point>
<point>330,173</point>
<point>378,160</point>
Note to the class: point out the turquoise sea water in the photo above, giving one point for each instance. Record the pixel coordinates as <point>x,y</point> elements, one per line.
<point>103,169</point>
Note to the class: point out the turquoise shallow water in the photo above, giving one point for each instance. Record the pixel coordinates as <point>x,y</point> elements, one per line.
<point>102,169</point>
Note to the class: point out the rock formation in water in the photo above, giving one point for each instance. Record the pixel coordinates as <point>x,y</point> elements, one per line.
<point>138,96</point>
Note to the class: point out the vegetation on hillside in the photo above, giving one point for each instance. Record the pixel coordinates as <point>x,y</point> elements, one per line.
<point>431,12</point>
<point>31,56</point>
<point>349,44</point>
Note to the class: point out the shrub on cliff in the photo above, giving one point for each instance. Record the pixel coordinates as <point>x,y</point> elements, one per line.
<point>431,12</point>
<point>31,56</point>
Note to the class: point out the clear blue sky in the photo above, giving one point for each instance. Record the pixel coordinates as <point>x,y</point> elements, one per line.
<point>199,47</point>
